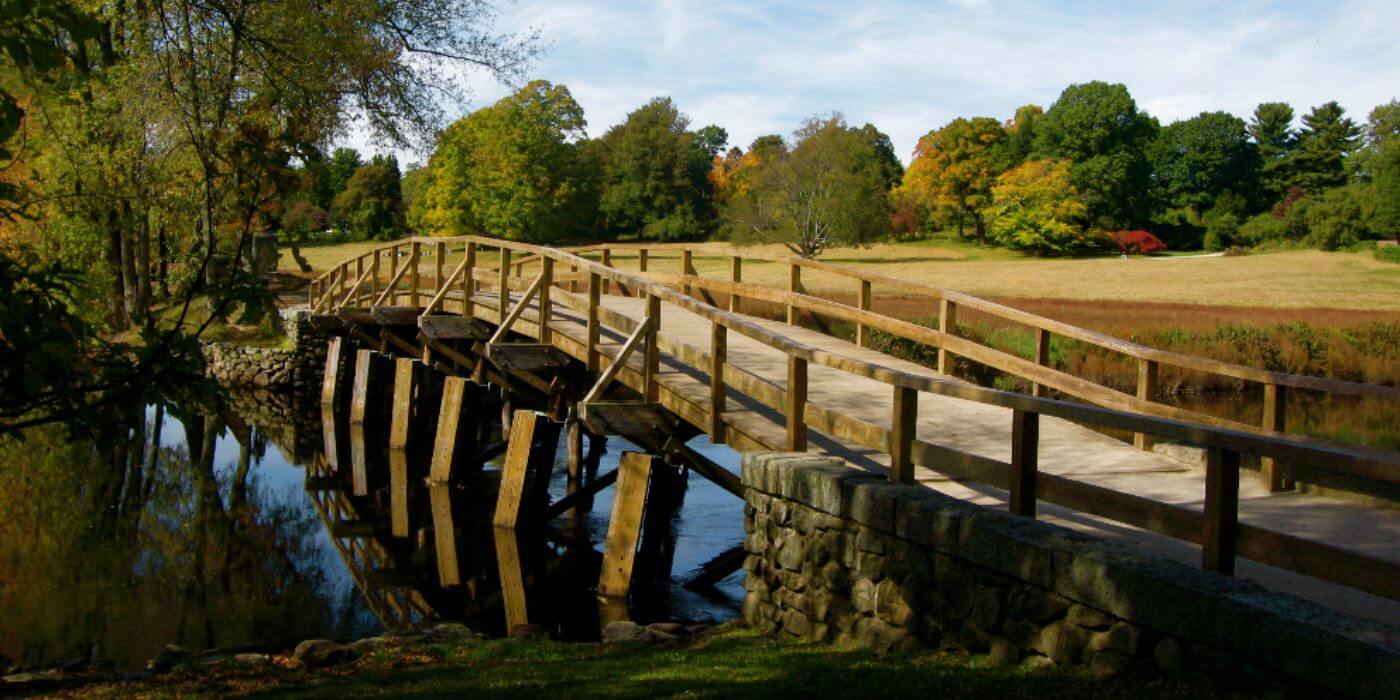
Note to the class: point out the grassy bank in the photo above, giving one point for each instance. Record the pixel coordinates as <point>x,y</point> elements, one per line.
<point>733,664</point>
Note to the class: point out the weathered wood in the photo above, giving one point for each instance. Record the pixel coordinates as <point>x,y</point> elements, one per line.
<point>452,327</point>
<point>405,376</point>
<point>398,493</point>
<point>687,268</point>
<point>469,280</point>
<point>414,280</point>
<point>454,391</point>
<point>593,329</point>
<point>1146,389</point>
<point>1271,473</point>
<point>395,315</point>
<point>863,303</point>
<point>330,440</point>
<point>512,577</point>
<point>947,325</point>
<point>719,344</point>
<point>651,366</point>
<point>503,284</point>
<point>1025,441</point>
<point>794,287</point>
<point>525,470</point>
<point>625,525</point>
<point>359,398</point>
<point>444,535</point>
<point>796,405</point>
<point>359,475</point>
<point>1042,357</point>
<point>625,418</point>
<point>1222,505</point>
<point>331,377</point>
<point>578,495</point>
<point>526,357</point>
<point>902,434</point>
<point>736,275</point>
<point>546,309</point>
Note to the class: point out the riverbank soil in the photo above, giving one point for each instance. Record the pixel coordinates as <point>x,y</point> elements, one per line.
<point>734,663</point>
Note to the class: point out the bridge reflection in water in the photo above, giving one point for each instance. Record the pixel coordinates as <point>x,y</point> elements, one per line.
<point>421,551</point>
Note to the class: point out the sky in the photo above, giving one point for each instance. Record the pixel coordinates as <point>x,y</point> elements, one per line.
<point>910,67</point>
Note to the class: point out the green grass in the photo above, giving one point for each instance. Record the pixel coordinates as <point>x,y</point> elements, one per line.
<point>734,664</point>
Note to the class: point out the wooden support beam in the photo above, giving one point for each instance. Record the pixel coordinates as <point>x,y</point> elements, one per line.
<point>405,375</point>
<point>719,567</point>
<point>580,494</point>
<point>863,303</point>
<point>796,404</point>
<point>1220,523</point>
<point>625,525</point>
<point>1042,357</point>
<point>1025,442</point>
<point>503,283</point>
<point>1146,389</point>
<point>439,258</point>
<point>359,398</point>
<point>606,260</point>
<point>902,434</point>
<point>948,323</point>
<point>469,281</point>
<point>686,269</point>
<point>359,474</point>
<point>526,357</point>
<point>512,577</point>
<point>398,493</point>
<point>413,280</point>
<point>1271,473</point>
<point>525,473</point>
<point>444,535</point>
<point>374,276</point>
<point>330,379</point>
<point>546,309</point>
<point>719,352</point>
<point>629,419</point>
<point>453,327</point>
<point>330,436</point>
<point>450,429</point>
<point>641,260</point>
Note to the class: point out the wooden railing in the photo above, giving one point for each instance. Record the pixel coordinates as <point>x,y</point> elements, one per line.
<point>1216,528</point>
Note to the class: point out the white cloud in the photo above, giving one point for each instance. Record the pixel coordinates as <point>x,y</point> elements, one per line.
<point>909,67</point>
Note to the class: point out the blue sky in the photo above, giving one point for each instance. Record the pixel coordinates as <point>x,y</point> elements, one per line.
<point>909,67</point>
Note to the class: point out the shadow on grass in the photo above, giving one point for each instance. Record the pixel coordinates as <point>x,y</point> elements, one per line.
<point>735,665</point>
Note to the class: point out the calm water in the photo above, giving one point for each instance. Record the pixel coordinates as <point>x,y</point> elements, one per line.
<point>222,538</point>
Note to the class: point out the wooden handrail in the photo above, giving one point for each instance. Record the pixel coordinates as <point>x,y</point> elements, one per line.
<point>618,362</point>
<point>518,311</point>
<point>388,292</point>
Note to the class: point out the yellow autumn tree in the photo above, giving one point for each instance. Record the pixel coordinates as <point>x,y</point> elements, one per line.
<point>953,171</point>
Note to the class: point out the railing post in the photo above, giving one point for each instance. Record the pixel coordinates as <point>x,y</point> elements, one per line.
<point>1146,389</point>
<point>1270,473</point>
<point>794,284</point>
<point>863,303</point>
<point>416,250</point>
<point>440,255</point>
<point>606,260</point>
<point>340,285</point>
<point>504,282</point>
<point>547,275</point>
<point>948,324</point>
<point>652,366</point>
<point>359,272</point>
<point>374,276</point>
<point>1025,443</point>
<point>1221,515</point>
<point>686,269</point>
<point>595,288</point>
<point>1042,357</point>
<point>641,260</point>
<point>719,355</point>
<point>797,404</point>
<point>736,275</point>
<point>469,281</point>
<point>311,293</point>
<point>393,270</point>
<point>903,424</point>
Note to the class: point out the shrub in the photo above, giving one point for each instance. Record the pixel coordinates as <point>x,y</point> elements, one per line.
<point>1389,254</point>
<point>1222,231</point>
<point>1139,241</point>
<point>1262,229</point>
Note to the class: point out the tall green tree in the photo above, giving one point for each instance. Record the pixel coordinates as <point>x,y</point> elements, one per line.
<point>1328,136</point>
<point>1020,136</point>
<point>828,190</point>
<point>1036,208</point>
<point>343,163</point>
<point>515,169</point>
<point>1098,127</point>
<point>654,176</point>
<point>371,205</point>
<point>1195,160</point>
<point>1271,127</point>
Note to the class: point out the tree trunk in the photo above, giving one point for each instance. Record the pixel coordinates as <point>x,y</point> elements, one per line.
<point>143,267</point>
<point>981,229</point>
<point>116,305</point>
<point>163,254</point>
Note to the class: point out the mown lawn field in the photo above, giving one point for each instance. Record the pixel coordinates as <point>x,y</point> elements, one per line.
<point>1298,279</point>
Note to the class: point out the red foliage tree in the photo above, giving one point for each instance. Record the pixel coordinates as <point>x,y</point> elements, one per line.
<point>1139,241</point>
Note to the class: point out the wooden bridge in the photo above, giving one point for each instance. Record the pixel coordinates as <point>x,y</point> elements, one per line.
<point>657,353</point>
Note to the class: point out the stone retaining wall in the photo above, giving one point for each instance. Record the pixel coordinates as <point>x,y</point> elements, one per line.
<point>837,554</point>
<point>296,367</point>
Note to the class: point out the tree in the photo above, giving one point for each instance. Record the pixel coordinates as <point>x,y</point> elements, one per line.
<point>1378,171</point>
<point>1099,128</point>
<point>654,176</point>
<point>339,169</point>
<point>371,205</point>
<point>1196,159</point>
<point>1325,141</point>
<point>828,190</point>
<point>1020,136</point>
<point>415,182</point>
<point>885,160</point>
<point>711,140</point>
<point>515,169</point>
<point>1035,207</point>
<point>1272,131</point>
<point>953,171</point>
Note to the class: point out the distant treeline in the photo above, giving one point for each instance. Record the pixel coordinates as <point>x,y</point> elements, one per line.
<point>1091,171</point>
